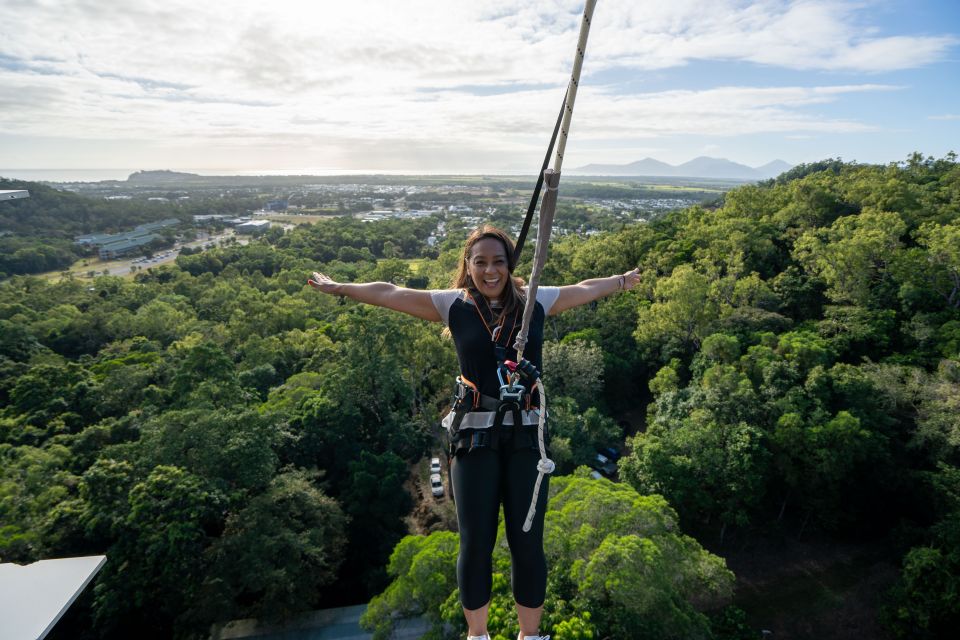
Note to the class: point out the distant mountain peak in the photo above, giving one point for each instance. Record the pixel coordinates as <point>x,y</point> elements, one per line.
<point>699,167</point>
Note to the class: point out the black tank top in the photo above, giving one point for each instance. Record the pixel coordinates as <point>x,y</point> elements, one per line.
<point>475,349</point>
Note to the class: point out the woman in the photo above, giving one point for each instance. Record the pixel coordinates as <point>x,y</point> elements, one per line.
<point>491,463</point>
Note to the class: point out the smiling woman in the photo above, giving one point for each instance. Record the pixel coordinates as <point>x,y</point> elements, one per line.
<point>494,454</point>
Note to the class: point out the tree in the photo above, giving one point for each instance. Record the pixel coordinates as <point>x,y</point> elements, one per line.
<point>32,482</point>
<point>49,390</point>
<point>157,566</point>
<point>667,379</point>
<point>232,451</point>
<point>853,254</point>
<point>926,597</point>
<point>575,370</point>
<point>95,519</point>
<point>203,375</point>
<point>928,403</point>
<point>943,252</point>
<point>376,501</point>
<point>16,341</point>
<point>820,461</point>
<point>424,576</point>
<point>583,432</point>
<point>160,320</point>
<point>277,552</point>
<point>682,309</point>
<point>709,469</point>
<point>392,270</point>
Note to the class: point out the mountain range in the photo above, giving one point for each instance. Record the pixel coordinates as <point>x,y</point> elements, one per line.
<point>702,167</point>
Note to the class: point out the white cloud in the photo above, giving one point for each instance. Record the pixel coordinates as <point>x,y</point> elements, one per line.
<point>725,111</point>
<point>805,35</point>
<point>339,79</point>
<point>945,116</point>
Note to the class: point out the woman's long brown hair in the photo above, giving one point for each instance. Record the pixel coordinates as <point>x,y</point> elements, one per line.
<point>512,293</point>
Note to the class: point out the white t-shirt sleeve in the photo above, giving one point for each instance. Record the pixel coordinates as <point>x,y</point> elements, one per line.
<point>443,299</point>
<point>547,296</point>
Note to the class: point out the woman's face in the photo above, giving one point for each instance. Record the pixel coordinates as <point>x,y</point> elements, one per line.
<point>487,266</point>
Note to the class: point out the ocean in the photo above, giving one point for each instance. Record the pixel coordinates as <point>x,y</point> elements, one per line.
<point>96,175</point>
<point>66,175</point>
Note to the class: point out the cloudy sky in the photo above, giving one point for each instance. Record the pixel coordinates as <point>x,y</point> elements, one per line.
<point>470,85</point>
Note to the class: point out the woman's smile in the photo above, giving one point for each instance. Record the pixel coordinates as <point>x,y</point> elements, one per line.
<point>488,267</point>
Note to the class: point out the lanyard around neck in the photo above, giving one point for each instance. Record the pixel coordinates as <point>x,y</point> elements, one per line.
<point>497,331</point>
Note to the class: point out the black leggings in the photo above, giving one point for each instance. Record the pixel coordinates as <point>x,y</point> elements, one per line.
<point>481,479</point>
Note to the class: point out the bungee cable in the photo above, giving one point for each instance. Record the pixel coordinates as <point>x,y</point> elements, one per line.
<point>550,177</point>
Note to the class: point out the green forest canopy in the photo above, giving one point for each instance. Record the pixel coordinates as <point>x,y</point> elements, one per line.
<point>237,444</point>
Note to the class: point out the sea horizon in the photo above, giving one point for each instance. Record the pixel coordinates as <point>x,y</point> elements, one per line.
<point>99,175</point>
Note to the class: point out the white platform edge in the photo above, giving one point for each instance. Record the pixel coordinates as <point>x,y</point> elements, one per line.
<point>17,579</point>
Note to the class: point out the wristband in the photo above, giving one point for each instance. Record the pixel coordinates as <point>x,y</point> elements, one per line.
<point>620,284</point>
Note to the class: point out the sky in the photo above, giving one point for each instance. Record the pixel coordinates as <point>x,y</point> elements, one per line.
<point>470,86</point>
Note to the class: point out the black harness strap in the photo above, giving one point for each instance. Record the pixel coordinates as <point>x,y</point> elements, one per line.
<point>536,190</point>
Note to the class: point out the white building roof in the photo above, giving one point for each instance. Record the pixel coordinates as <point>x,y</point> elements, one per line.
<point>14,194</point>
<point>34,596</point>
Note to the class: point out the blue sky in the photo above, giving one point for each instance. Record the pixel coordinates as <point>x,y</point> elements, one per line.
<point>465,87</point>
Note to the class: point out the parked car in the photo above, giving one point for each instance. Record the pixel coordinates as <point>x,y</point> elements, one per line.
<point>604,465</point>
<point>610,453</point>
<point>436,485</point>
<point>434,465</point>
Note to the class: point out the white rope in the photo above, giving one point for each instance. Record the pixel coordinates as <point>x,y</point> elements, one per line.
<point>545,465</point>
<point>574,82</point>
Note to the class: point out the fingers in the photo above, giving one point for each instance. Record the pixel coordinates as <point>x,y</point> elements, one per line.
<point>631,278</point>
<point>318,280</point>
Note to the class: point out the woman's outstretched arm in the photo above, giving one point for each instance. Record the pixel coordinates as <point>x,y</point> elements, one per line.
<point>575,295</point>
<point>415,302</point>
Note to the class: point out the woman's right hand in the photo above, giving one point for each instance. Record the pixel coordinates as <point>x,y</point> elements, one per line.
<point>323,283</point>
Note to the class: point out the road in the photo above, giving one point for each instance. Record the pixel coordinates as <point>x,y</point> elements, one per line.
<point>124,266</point>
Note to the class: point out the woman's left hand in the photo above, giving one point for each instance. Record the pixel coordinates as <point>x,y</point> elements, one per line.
<point>631,279</point>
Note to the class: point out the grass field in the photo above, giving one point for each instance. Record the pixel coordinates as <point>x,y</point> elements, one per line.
<point>82,269</point>
<point>417,264</point>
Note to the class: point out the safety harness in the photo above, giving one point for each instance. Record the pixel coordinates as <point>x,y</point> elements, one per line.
<point>483,418</point>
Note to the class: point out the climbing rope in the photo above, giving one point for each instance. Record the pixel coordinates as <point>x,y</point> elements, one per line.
<point>551,177</point>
